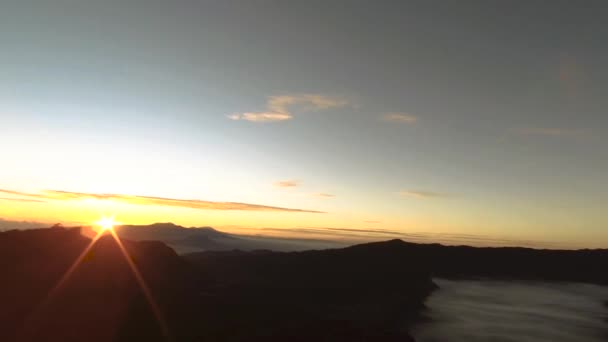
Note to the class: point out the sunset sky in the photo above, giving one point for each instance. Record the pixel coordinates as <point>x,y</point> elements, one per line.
<point>464,118</point>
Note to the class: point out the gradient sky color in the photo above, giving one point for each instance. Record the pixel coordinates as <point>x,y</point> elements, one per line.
<point>471,117</point>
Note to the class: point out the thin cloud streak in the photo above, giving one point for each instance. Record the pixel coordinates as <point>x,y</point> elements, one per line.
<point>278,107</point>
<point>261,117</point>
<point>421,194</point>
<point>290,183</point>
<point>311,102</point>
<point>351,235</point>
<point>21,200</point>
<point>326,195</point>
<point>160,201</point>
<point>549,131</point>
<point>19,193</point>
<point>400,118</point>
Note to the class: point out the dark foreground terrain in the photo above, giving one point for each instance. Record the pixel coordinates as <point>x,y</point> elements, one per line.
<point>369,292</point>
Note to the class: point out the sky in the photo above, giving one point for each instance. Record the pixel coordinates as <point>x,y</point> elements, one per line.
<point>470,118</point>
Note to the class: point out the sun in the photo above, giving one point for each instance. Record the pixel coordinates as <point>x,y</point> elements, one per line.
<point>106,223</point>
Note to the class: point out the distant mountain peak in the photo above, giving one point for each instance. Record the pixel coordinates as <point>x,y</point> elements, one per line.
<point>163,225</point>
<point>396,242</point>
<point>170,225</point>
<point>393,242</point>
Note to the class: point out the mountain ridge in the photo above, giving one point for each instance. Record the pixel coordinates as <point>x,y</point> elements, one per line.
<point>370,291</point>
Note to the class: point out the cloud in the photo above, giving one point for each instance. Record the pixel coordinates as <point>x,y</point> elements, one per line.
<point>21,200</point>
<point>324,194</point>
<point>400,118</point>
<point>278,107</point>
<point>310,102</point>
<point>19,193</point>
<point>353,235</point>
<point>549,131</point>
<point>17,196</point>
<point>420,194</point>
<point>261,117</point>
<point>290,183</point>
<point>343,232</point>
<point>160,201</point>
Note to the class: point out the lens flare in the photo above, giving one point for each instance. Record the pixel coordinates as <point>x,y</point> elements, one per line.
<point>106,223</point>
<point>144,288</point>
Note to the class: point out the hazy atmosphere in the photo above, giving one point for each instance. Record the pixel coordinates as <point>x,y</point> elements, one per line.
<point>303,171</point>
<point>471,121</point>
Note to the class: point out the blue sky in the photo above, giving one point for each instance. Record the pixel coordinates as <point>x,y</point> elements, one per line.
<point>473,117</point>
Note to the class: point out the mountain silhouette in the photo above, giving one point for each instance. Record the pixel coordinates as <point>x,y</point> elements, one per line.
<point>232,296</point>
<point>97,302</point>
<point>366,292</point>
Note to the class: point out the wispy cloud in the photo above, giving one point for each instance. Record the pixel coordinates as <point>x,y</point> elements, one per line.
<point>279,107</point>
<point>352,235</point>
<point>290,183</point>
<point>281,104</point>
<point>19,193</point>
<point>348,232</point>
<point>421,194</point>
<point>324,194</point>
<point>21,200</point>
<point>400,118</point>
<point>549,131</point>
<point>261,116</point>
<point>158,201</point>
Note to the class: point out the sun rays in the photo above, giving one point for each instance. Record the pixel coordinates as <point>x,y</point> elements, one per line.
<point>106,225</point>
<point>143,286</point>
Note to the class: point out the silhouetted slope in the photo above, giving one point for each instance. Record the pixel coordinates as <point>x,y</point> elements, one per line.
<point>367,292</point>
<point>502,262</point>
<point>463,261</point>
<point>97,302</point>
<point>318,295</point>
<point>340,294</point>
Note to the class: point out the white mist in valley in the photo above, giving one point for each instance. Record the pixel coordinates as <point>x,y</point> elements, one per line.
<point>515,311</point>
